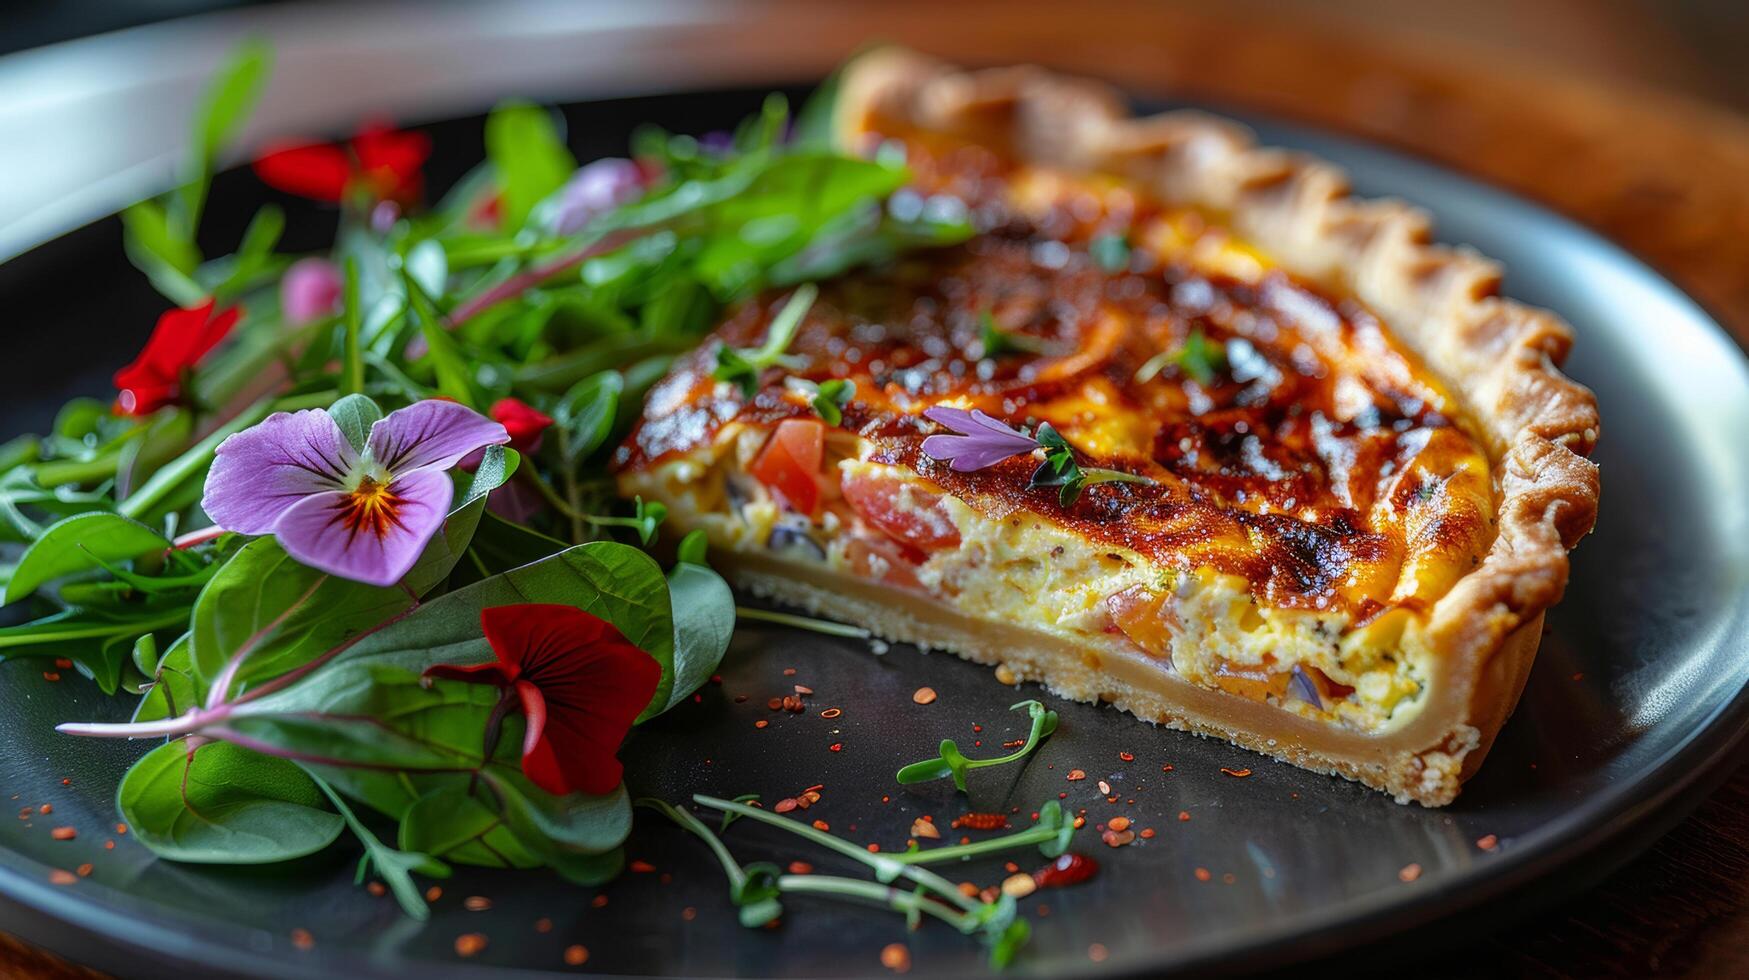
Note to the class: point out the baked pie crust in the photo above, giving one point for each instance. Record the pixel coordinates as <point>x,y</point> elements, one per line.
<point>1394,568</point>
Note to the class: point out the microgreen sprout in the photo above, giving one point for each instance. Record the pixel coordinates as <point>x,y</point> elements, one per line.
<point>952,762</point>
<point>742,366</point>
<point>1060,469</point>
<point>829,401</point>
<point>997,923</point>
<point>993,341</point>
<point>1198,359</point>
<point>646,519</point>
<point>826,627</point>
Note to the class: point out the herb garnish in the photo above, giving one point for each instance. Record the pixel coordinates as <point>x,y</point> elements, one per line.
<point>831,397</point>
<point>1111,252</point>
<point>744,366</point>
<point>995,342</point>
<point>1060,469</point>
<point>952,762</point>
<point>1200,359</point>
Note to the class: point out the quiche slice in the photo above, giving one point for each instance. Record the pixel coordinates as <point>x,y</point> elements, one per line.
<point>1183,428</point>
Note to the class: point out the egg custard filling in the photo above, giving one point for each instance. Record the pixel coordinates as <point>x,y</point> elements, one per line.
<point>1223,494</point>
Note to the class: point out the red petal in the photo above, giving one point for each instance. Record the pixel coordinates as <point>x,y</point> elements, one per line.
<point>391,160</point>
<point>524,422</point>
<point>592,684</point>
<point>315,170</point>
<point>178,342</point>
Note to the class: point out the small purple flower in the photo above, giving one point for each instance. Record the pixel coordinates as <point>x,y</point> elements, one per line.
<point>596,189</point>
<point>384,216</point>
<point>979,440</point>
<point>362,516</point>
<point>310,291</point>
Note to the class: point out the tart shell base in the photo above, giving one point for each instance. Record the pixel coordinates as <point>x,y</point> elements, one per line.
<point>1424,760</point>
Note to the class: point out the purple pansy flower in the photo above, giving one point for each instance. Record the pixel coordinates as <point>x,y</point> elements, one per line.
<point>310,290</point>
<point>362,516</point>
<point>595,189</point>
<point>979,440</point>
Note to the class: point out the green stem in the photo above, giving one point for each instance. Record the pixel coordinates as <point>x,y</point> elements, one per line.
<point>873,893</point>
<point>80,471</point>
<point>802,622</point>
<point>965,852</point>
<point>884,865</point>
<point>731,867</point>
<point>352,370</point>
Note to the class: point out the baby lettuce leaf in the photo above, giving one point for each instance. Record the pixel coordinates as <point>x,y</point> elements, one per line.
<point>224,805</point>
<point>78,544</point>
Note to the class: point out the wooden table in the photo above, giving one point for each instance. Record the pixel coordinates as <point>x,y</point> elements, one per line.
<point>1663,175</point>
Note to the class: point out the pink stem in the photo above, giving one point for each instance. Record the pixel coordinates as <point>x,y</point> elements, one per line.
<point>199,537</point>
<point>516,285</point>
<point>222,685</point>
<point>180,725</point>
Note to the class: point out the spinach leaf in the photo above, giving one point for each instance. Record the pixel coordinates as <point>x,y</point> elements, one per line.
<point>224,804</point>
<point>529,157</point>
<point>453,822</point>
<point>704,621</point>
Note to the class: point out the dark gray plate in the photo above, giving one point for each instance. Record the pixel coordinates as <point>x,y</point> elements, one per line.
<point>1638,692</point>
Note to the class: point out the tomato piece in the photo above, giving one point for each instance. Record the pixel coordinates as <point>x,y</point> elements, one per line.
<point>1256,683</point>
<point>789,465</point>
<point>1143,616</point>
<point>916,516</point>
<point>881,561</point>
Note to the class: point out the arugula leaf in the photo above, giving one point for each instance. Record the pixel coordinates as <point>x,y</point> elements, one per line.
<point>81,543</point>
<point>228,100</point>
<point>224,804</point>
<point>584,416</point>
<point>528,156</point>
<point>167,257</point>
<point>1200,359</point>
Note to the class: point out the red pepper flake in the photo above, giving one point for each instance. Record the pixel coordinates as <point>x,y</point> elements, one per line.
<point>804,690</point>
<point>84,870</point>
<point>716,678</point>
<point>789,672</point>
<point>785,805</point>
<point>67,782</point>
<point>51,676</point>
<point>1127,757</point>
<point>1202,874</point>
<point>926,695</point>
<point>301,939</point>
<point>598,902</point>
<point>25,813</point>
<point>896,957</point>
<point>740,699</point>
<point>1409,873</point>
<point>469,943</point>
<point>761,723</point>
<point>689,913</point>
<point>982,821</point>
<point>1104,788</point>
<point>924,828</point>
<point>1119,824</point>
<point>576,955</point>
<point>976,728</point>
<point>1114,838</point>
<point>775,704</point>
<point>1147,833</point>
<point>376,889</point>
<point>1014,744</point>
<point>1579,676</point>
<point>120,828</point>
<point>46,808</point>
<point>59,877</point>
<point>1184,816</point>
<point>822,825</point>
<point>1076,775</point>
<point>433,893</point>
<point>109,845</point>
<point>1488,843</point>
<point>836,746</point>
<point>1068,869</point>
<point>640,867</point>
<point>543,924</point>
<point>800,868</point>
<point>63,663</point>
<point>831,713</point>
<point>874,848</point>
<point>63,833</point>
<point>477,903</point>
<point>1166,768</point>
<point>1236,773</point>
<point>1097,952</point>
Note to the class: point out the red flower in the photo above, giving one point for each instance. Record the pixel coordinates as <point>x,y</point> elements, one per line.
<point>382,162</point>
<point>579,683</point>
<point>178,342</point>
<point>523,421</point>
